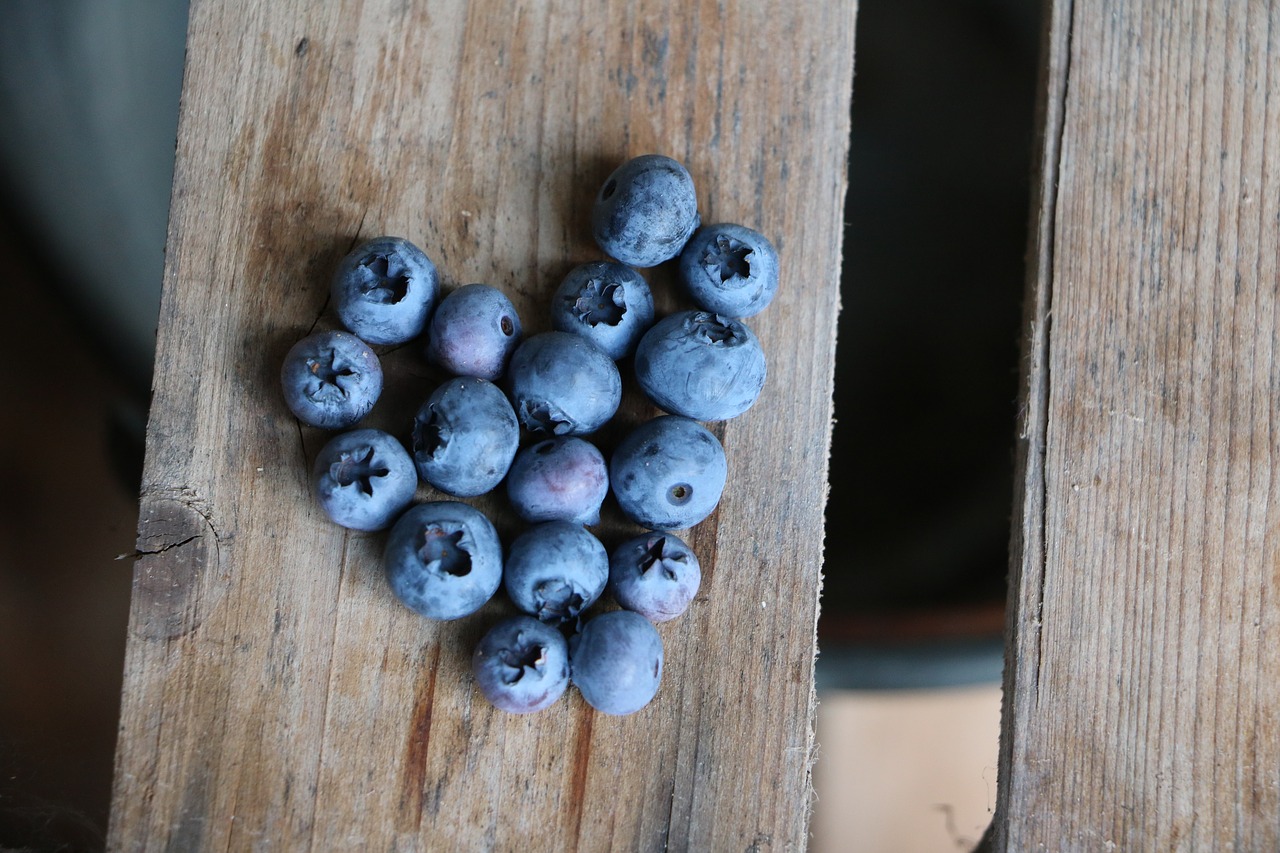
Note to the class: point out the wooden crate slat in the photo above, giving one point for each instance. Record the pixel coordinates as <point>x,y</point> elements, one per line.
<point>1141,691</point>
<point>276,694</point>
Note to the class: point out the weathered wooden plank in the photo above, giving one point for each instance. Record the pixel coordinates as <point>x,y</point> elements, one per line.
<point>1142,688</point>
<point>276,694</point>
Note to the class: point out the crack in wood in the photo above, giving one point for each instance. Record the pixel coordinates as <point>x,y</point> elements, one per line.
<point>139,553</point>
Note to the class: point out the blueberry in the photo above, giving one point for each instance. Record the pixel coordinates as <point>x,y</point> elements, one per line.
<point>646,211</point>
<point>331,379</point>
<point>521,665</point>
<point>364,479</point>
<point>563,385</point>
<point>701,365</point>
<point>384,290</point>
<point>465,436</point>
<point>443,559</point>
<point>655,574</point>
<point>555,570</point>
<point>668,473</point>
<point>616,662</point>
<point>473,332</point>
<point>559,479</point>
<point>607,303</point>
<point>730,270</point>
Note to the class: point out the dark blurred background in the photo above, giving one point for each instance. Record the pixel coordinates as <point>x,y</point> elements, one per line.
<point>925,389</point>
<point>928,346</point>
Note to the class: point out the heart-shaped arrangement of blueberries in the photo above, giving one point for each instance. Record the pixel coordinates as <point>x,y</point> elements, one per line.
<point>443,559</point>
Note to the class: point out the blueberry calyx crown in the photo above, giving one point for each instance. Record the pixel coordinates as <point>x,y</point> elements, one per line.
<point>358,468</point>
<point>443,550</point>
<point>432,436</point>
<point>728,258</point>
<point>544,417</point>
<point>600,302</point>
<point>714,329</point>
<point>655,556</point>
<point>326,370</point>
<point>520,657</point>
<point>558,601</point>
<point>384,283</point>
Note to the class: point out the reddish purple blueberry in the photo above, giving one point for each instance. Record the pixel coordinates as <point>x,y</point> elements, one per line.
<point>473,332</point>
<point>559,479</point>
<point>521,665</point>
<point>655,574</point>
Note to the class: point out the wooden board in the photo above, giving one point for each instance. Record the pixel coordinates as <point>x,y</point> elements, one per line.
<point>1142,693</point>
<point>276,694</point>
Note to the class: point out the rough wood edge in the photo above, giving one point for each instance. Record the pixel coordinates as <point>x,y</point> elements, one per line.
<point>1026,543</point>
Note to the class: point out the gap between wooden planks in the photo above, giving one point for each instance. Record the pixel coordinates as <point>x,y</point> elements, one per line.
<point>1142,685</point>
<point>276,695</point>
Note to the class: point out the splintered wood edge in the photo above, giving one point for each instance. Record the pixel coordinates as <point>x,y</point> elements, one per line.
<point>1026,548</point>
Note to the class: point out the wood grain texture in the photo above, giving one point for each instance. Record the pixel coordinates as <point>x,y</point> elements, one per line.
<point>1142,689</point>
<point>276,694</point>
